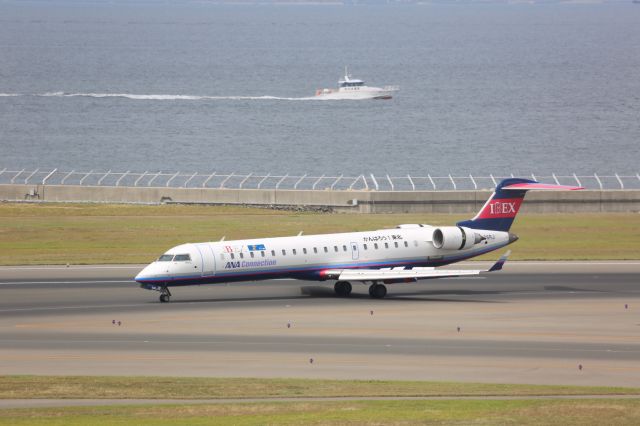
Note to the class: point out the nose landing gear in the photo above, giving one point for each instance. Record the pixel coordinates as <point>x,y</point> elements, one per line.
<point>165,295</point>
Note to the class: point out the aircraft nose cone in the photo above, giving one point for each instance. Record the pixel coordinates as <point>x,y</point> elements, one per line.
<point>512,238</point>
<point>142,274</point>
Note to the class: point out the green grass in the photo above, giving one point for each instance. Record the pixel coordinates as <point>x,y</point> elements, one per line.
<point>96,233</point>
<point>449,412</point>
<point>14,387</point>
<point>569,411</point>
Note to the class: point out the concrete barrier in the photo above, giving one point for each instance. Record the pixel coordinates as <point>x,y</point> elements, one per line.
<point>466,202</point>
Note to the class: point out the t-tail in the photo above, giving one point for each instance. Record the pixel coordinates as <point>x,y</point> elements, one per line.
<point>500,210</point>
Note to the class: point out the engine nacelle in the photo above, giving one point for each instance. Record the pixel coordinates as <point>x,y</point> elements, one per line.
<point>454,238</point>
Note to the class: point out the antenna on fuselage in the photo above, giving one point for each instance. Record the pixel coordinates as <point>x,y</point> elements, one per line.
<point>300,233</point>
<point>222,239</point>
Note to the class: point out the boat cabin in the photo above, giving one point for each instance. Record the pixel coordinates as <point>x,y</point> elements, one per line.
<point>350,83</point>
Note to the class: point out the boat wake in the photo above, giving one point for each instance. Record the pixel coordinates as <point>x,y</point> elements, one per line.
<point>173,97</point>
<point>139,97</point>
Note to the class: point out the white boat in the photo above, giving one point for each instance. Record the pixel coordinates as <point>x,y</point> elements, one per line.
<point>351,88</point>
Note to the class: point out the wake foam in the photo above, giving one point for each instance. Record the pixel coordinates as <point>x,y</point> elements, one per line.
<point>170,97</point>
<point>9,95</point>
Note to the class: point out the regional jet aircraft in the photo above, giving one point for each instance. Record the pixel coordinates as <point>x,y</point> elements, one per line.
<point>404,254</point>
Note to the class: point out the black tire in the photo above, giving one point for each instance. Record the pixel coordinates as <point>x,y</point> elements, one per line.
<point>342,288</point>
<point>164,298</point>
<point>378,291</point>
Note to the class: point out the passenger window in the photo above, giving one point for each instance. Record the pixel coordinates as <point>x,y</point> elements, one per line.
<point>241,255</point>
<point>262,253</point>
<point>294,252</point>
<point>344,248</point>
<point>326,250</point>
<point>284,252</point>
<point>335,248</point>
<point>181,258</point>
<point>386,245</point>
<point>365,246</point>
<point>406,244</point>
<point>273,253</point>
<point>233,256</point>
<point>304,250</point>
<point>252,255</point>
<point>375,246</point>
<point>315,250</point>
<point>396,244</point>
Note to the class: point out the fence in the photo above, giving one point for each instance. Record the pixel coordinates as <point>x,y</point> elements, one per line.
<point>371,182</point>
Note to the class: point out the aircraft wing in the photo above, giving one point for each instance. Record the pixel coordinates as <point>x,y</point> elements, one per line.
<point>401,274</point>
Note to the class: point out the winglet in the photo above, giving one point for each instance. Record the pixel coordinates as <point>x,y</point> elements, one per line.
<point>500,263</point>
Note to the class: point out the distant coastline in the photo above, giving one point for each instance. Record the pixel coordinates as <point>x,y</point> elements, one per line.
<point>333,2</point>
<point>405,2</point>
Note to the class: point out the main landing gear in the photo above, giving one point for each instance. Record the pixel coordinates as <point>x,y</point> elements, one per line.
<point>342,288</point>
<point>165,295</point>
<point>377,291</point>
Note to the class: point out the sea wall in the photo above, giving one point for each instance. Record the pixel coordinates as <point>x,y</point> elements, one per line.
<point>337,201</point>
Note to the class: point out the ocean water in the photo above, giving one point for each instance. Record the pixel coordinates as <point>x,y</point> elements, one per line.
<point>195,87</point>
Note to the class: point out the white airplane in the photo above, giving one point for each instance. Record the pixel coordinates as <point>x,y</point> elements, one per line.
<point>404,254</point>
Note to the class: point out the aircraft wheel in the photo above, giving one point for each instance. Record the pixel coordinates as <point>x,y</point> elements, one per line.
<point>342,288</point>
<point>164,298</point>
<point>377,291</point>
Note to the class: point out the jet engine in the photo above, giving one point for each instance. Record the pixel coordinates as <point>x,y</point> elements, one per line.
<point>454,238</point>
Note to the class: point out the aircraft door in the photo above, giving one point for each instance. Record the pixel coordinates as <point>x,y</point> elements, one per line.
<point>208,259</point>
<point>355,253</point>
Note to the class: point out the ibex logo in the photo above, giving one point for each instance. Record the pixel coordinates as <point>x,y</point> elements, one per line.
<point>498,207</point>
<point>505,207</point>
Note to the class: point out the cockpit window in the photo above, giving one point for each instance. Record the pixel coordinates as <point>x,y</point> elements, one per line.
<point>181,258</point>
<point>165,258</point>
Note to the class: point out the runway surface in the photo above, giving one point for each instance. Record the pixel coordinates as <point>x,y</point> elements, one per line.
<point>534,322</point>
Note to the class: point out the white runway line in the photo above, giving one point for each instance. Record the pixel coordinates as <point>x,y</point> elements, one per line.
<point>71,267</point>
<point>79,281</point>
<point>472,263</point>
<point>61,308</point>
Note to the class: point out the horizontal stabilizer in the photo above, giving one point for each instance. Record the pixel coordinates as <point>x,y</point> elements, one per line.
<point>541,186</point>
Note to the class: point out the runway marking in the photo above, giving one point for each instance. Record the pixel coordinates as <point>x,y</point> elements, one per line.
<point>51,308</point>
<point>216,342</point>
<point>73,267</point>
<point>542,262</point>
<point>510,263</point>
<point>48,308</point>
<point>79,281</point>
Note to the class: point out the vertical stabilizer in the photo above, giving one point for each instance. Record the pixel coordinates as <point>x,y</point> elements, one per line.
<point>500,210</point>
